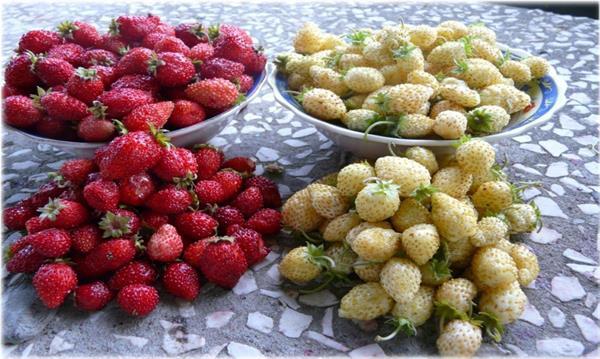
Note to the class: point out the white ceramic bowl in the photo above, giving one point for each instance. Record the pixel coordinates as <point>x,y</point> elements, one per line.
<point>198,133</point>
<point>547,94</point>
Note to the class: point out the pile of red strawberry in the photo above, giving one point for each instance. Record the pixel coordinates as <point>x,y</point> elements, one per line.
<point>140,210</point>
<point>76,84</point>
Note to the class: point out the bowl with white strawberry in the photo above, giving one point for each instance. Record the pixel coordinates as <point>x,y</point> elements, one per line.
<point>75,88</point>
<point>142,214</point>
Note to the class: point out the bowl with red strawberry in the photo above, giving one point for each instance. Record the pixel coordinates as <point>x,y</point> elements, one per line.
<point>142,214</point>
<point>76,89</point>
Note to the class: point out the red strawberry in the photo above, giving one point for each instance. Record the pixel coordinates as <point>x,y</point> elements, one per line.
<point>170,200</point>
<point>193,253</point>
<point>223,262</point>
<point>86,238</point>
<point>68,52</point>
<point>51,242</point>
<point>255,64</point>
<point>134,190</point>
<point>171,69</point>
<point>214,93</point>
<point>18,244</point>
<point>209,161</point>
<point>221,68</point>
<point>153,114</point>
<point>8,90</point>
<point>234,48</point>
<point>52,128</point>
<point>249,201</point>
<point>231,182</point>
<point>76,171</point>
<point>186,113</point>
<point>80,33</point>
<point>25,260</point>
<point>85,85</point>
<point>92,129</point>
<point>53,282</point>
<point>122,101</point>
<point>266,221</point>
<point>172,44</point>
<point>19,71</point>
<point>227,216</point>
<point>61,106</point>
<point>106,257</point>
<point>251,242</point>
<point>165,28</point>
<point>21,111</point>
<point>113,43</point>
<point>176,163</point>
<point>98,57</point>
<point>209,192</point>
<point>241,164</point>
<point>130,154</point>
<point>181,280</point>
<point>140,82</point>
<point>136,272</point>
<point>14,218</point>
<point>62,213</point>
<point>74,194</point>
<point>135,61</point>
<point>152,39</point>
<point>174,93</point>
<point>46,192</point>
<point>228,30</point>
<point>195,225</point>
<point>92,296</point>
<point>38,41</point>
<point>138,299</point>
<point>201,52</point>
<point>165,245</point>
<point>191,34</point>
<point>106,74</point>
<point>119,223</point>
<point>268,189</point>
<point>134,28</point>
<point>245,83</point>
<point>102,195</point>
<point>36,224</point>
<point>153,220</point>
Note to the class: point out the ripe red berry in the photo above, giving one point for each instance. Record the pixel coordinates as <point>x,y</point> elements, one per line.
<point>135,61</point>
<point>53,282</point>
<point>38,41</point>
<point>113,42</point>
<point>21,111</point>
<point>138,299</point>
<point>152,39</point>
<point>25,260</point>
<point>14,218</point>
<point>51,242</point>
<point>181,280</point>
<point>201,52</point>
<point>153,220</point>
<point>101,57</point>
<point>102,195</point>
<point>134,190</point>
<point>106,74</point>
<point>266,221</point>
<point>231,182</point>
<point>165,245</point>
<point>170,200</point>
<point>209,161</point>
<point>153,114</point>
<point>209,192</point>
<point>62,213</point>
<point>251,242</point>
<point>217,67</point>
<point>172,44</point>
<point>52,128</point>
<point>85,85</point>
<point>192,34</point>
<point>137,81</point>
<point>172,69</point>
<point>241,164</point>
<point>136,272</point>
<point>68,52</point>
<point>195,225</point>
<point>92,129</point>
<point>92,296</point>
<point>176,163</point>
<point>85,238</point>
<point>80,33</point>
<point>256,63</point>
<point>186,113</point>
<point>121,101</point>
<point>216,93</point>
<point>233,47</point>
<point>245,83</point>
<point>134,28</point>
<point>119,223</point>
<point>249,201</point>
<point>36,224</point>
<point>106,257</point>
<point>227,216</point>
<point>46,192</point>
<point>76,171</point>
<point>53,71</point>
<point>222,261</point>
<point>61,106</point>
<point>19,72</point>
<point>268,189</point>
<point>193,253</point>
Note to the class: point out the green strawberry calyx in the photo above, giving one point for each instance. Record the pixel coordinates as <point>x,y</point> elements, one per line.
<point>440,263</point>
<point>400,325</point>
<point>446,312</point>
<point>423,192</point>
<point>316,255</point>
<point>154,63</point>
<point>376,186</point>
<point>66,29</point>
<point>160,136</point>
<point>98,110</point>
<point>51,209</point>
<point>358,37</point>
<point>114,225</point>
<point>113,28</point>
<point>461,141</point>
<point>479,121</point>
<point>403,51</point>
<point>466,41</point>
<point>393,125</point>
<point>490,323</point>
<point>461,66</point>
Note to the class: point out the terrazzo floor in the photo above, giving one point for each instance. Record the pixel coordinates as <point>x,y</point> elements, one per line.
<point>258,317</point>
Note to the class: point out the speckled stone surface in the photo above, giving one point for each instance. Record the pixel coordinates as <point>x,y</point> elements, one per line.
<point>257,317</point>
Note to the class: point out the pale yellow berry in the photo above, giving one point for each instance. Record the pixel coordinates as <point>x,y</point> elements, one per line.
<point>452,181</point>
<point>355,102</point>
<point>368,271</point>
<point>423,36</point>
<point>539,66</point>
<point>490,230</point>
<point>507,302</point>
<point>415,125</point>
<point>378,100</point>
<point>377,54</point>
<point>450,125</point>
<point>364,79</point>
<point>411,212</point>
<point>401,279</point>
<point>420,77</point>
<point>365,301</point>
<point>330,42</point>
<point>519,72</point>
<point>328,79</point>
<point>359,120</point>
<point>327,200</point>
<point>447,54</point>
<point>408,98</point>
<point>337,229</point>
<point>421,242</point>
<point>424,156</point>
<point>417,310</point>
<point>484,50</point>
<point>527,264</point>
<point>392,75</point>
<point>377,244</point>
<point>354,232</point>
<point>297,82</point>
<point>458,293</point>
<point>323,104</point>
<point>349,60</point>
<point>459,29</point>
<point>404,172</point>
<point>309,39</point>
<point>482,32</point>
<point>458,92</point>
<point>351,178</point>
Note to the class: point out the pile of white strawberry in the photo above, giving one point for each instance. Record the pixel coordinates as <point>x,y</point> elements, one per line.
<point>141,210</point>
<point>426,235</point>
<point>77,84</point>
